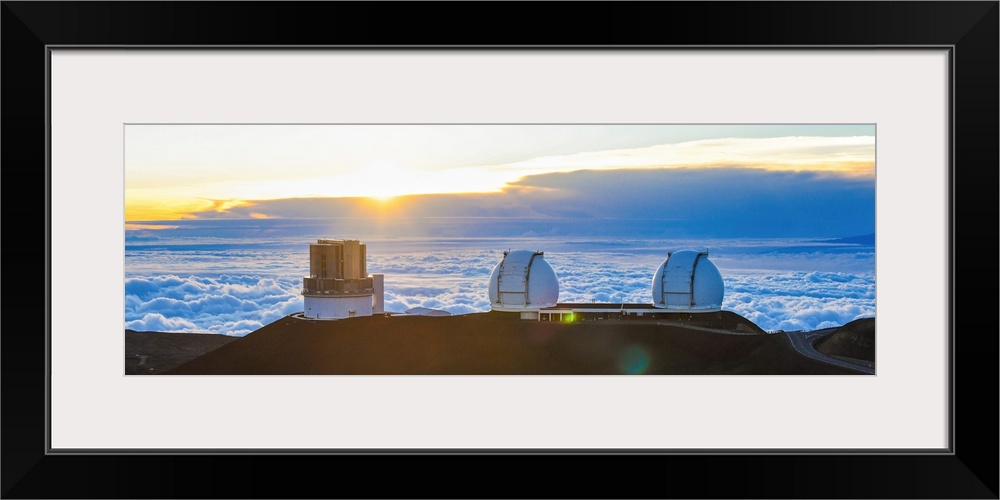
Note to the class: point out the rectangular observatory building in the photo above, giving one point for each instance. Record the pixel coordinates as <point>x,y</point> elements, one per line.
<point>338,285</point>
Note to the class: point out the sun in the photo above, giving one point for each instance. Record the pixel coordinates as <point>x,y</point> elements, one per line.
<point>388,180</point>
<point>382,198</point>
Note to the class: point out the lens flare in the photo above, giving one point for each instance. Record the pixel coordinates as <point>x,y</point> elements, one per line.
<point>633,360</point>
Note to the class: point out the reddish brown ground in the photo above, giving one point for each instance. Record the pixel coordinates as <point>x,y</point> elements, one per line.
<point>855,340</point>
<point>494,344</point>
<point>151,353</point>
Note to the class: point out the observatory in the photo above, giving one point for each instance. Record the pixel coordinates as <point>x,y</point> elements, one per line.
<point>688,282</point>
<point>523,282</point>
<point>338,285</point>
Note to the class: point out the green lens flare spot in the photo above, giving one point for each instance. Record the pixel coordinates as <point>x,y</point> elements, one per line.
<point>633,360</point>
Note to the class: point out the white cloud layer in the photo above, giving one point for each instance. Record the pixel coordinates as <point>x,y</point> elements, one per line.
<point>800,300</point>
<point>804,290</point>
<point>230,305</point>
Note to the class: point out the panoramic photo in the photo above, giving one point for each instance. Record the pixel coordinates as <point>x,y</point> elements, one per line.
<point>560,249</point>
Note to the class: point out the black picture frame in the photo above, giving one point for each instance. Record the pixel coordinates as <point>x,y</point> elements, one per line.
<point>969,29</point>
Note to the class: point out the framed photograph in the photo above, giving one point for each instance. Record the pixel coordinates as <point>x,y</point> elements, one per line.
<point>200,173</point>
<point>429,270</point>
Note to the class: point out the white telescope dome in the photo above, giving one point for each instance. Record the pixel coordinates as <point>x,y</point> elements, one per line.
<point>688,281</point>
<point>523,281</point>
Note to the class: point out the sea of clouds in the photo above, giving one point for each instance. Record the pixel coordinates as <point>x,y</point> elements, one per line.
<point>792,285</point>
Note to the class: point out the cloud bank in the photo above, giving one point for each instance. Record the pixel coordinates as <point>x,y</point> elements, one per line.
<point>176,169</point>
<point>230,305</point>
<point>455,280</point>
<point>720,202</point>
<point>800,300</point>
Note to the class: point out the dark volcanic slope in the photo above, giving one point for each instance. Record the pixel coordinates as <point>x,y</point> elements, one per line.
<point>149,353</point>
<point>492,343</point>
<point>854,340</point>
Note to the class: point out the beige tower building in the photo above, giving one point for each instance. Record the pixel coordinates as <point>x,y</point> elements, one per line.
<point>338,285</point>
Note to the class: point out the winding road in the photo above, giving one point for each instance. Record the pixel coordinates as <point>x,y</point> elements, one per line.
<point>802,342</point>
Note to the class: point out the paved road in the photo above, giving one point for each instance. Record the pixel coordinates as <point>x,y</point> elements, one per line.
<point>802,342</point>
<point>702,328</point>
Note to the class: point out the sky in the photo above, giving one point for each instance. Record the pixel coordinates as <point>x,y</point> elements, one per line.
<point>218,217</point>
<point>720,175</point>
